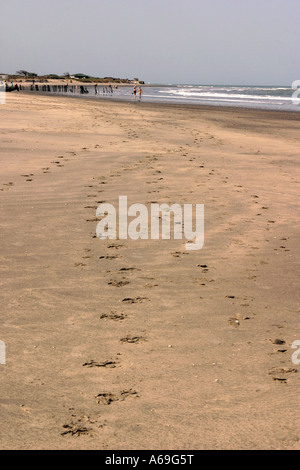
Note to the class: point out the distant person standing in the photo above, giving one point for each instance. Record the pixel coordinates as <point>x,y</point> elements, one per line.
<point>134,92</point>
<point>96,88</point>
<point>140,93</point>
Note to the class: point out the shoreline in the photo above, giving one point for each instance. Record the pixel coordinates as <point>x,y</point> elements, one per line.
<point>190,106</point>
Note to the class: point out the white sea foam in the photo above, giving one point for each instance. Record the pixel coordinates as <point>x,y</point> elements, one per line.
<point>226,96</point>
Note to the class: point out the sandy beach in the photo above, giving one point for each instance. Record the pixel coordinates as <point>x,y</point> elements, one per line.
<point>141,344</point>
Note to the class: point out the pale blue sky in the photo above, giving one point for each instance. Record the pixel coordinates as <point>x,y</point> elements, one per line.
<point>159,41</point>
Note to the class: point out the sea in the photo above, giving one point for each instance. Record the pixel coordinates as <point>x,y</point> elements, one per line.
<point>285,98</point>
<point>260,97</point>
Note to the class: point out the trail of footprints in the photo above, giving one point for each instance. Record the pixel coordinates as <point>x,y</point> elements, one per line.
<point>59,162</point>
<point>84,425</point>
<point>123,276</point>
<point>29,178</point>
<point>121,280</point>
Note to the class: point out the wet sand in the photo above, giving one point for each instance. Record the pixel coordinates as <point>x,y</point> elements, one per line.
<point>141,344</point>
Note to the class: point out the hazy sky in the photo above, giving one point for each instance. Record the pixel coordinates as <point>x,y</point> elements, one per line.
<point>159,41</point>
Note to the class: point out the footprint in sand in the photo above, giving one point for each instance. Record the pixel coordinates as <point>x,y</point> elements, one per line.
<point>76,430</point>
<point>114,316</point>
<point>106,399</point>
<point>204,267</point>
<point>115,283</point>
<point>150,286</point>
<point>281,374</point>
<point>129,270</point>
<point>94,220</point>
<point>281,351</point>
<point>178,254</point>
<point>132,339</point>
<point>81,426</point>
<point>135,300</point>
<point>104,365</point>
<point>115,246</point>
<point>277,341</point>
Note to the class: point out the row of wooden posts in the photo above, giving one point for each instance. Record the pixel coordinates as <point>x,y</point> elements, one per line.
<point>60,89</point>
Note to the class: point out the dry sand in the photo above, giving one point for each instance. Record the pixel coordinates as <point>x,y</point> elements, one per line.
<point>192,360</point>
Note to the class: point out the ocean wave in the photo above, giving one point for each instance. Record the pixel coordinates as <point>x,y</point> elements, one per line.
<point>216,95</point>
